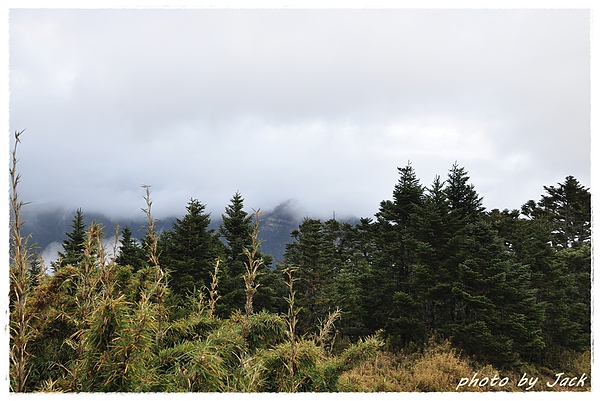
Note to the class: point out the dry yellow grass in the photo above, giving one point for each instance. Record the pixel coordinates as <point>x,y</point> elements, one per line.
<point>440,368</point>
<point>437,369</point>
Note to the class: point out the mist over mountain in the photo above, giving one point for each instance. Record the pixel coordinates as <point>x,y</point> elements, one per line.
<point>48,225</point>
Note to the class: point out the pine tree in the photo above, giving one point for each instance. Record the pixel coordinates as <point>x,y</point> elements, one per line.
<point>391,302</point>
<point>189,251</point>
<point>236,228</point>
<point>74,244</point>
<point>313,256</point>
<point>36,269</point>
<point>463,200</point>
<point>563,275</point>
<point>495,313</point>
<point>432,275</point>
<point>130,252</point>
<point>350,269</point>
<point>568,209</point>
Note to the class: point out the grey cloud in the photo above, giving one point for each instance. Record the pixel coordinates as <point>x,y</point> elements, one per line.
<point>317,105</point>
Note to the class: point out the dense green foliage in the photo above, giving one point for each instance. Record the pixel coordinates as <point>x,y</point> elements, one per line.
<point>73,245</point>
<point>505,287</point>
<point>192,309</point>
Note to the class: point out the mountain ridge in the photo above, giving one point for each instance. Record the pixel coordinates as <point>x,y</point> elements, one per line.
<point>47,227</point>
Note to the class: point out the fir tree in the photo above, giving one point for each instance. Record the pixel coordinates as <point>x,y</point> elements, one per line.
<point>236,229</point>
<point>561,221</point>
<point>391,302</point>
<point>463,200</point>
<point>396,224</point>
<point>36,269</point>
<point>350,268</point>
<point>495,313</point>
<point>130,252</point>
<point>312,254</point>
<point>74,244</point>
<point>432,275</point>
<point>189,251</point>
<point>568,209</point>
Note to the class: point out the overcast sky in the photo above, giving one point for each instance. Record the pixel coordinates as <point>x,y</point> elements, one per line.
<point>320,106</point>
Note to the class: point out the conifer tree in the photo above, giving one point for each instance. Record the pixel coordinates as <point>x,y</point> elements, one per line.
<point>563,271</point>
<point>74,244</point>
<point>568,209</point>
<point>236,228</point>
<point>432,275</point>
<point>189,251</point>
<point>36,269</point>
<point>350,267</point>
<point>495,312</point>
<point>391,303</point>
<point>313,256</point>
<point>481,297</point>
<point>130,252</point>
<point>396,220</point>
<point>463,200</point>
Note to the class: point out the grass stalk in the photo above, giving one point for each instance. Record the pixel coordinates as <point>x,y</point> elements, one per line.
<point>326,329</point>
<point>213,295</point>
<point>291,319</point>
<point>159,288</point>
<point>252,266</point>
<point>19,284</point>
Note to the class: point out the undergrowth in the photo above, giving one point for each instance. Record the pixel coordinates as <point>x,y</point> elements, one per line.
<point>439,367</point>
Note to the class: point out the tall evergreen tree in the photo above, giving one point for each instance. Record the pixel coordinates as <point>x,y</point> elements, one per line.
<point>36,269</point>
<point>391,303</point>
<point>568,209</point>
<point>433,275</point>
<point>564,277</point>
<point>130,251</point>
<point>495,313</point>
<point>491,309</point>
<point>190,250</point>
<point>313,256</point>
<point>463,200</point>
<point>236,228</point>
<point>396,220</point>
<point>439,267</point>
<point>350,268</point>
<point>74,244</point>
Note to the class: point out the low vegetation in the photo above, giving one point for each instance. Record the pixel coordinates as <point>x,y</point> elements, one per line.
<point>439,367</point>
